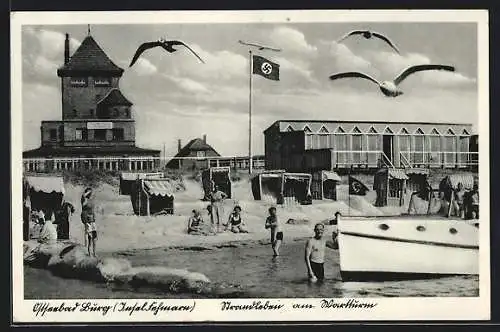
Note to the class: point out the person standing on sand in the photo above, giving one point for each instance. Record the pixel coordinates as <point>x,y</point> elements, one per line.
<point>458,201</point>
<point>63,215</point>
<point>474,198</point>
<point>272,223</point>
<point>88,220</point>
<point>217,200</point>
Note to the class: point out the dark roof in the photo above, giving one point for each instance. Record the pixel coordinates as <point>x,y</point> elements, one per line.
<point>89,57</point>
<point>196,144</point>
<point>275,123</point>
<point>114,97</point>
<point>91,151</point>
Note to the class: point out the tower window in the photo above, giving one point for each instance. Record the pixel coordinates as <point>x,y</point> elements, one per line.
<point>78,134</point>
<point>53,134</point>
<point>100,134</point>
<point>81,134</point>
<point>79,82</point>
<point>91,113</point>
<point>102,81</point>
<point>118,134</point>
<point>74,113</point>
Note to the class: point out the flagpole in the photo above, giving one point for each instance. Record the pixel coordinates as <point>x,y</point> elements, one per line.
<point>250,162</point>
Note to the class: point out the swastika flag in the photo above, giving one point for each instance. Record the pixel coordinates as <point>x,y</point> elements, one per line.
<point>357,187</point>
<point>266,68</point>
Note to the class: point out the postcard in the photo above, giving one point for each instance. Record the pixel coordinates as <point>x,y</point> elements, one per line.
<point>255,166</point>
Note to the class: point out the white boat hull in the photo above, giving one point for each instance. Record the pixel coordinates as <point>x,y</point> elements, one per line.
<point>392,248</point>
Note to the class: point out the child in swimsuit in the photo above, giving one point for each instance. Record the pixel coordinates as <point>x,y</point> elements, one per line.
<point>276,233</point>
<point>235,221</point>
<point>195,222</point>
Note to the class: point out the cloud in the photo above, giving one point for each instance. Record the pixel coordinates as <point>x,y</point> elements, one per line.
<point>143,67</point>
<point>446,79</point>
<point>187,84</point>
<point>291,40</point>
<point>51,43</point>
<point>44,66</point>
<point>219,65</point>
<point>344,58</point>
<point>392,64</point>
<point>294,68</point>
<point>43,53</point>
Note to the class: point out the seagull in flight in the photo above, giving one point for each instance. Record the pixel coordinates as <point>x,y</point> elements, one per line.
<point>167,45</point>
<point>369,34</point>
<point>390,88</point>
<point>260,47</point>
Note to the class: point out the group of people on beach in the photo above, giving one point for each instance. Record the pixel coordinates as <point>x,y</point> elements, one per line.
<point>466,202</point>
<point>56,227</point>
<point>196,223</point>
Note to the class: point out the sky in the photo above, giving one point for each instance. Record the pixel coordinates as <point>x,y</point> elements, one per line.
<point>177,97</point>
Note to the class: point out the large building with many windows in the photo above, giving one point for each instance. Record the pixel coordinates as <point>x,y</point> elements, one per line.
<point>297,145</point>
<point>97,130</point>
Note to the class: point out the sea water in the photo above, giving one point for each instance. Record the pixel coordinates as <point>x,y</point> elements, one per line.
<point>251,270</point>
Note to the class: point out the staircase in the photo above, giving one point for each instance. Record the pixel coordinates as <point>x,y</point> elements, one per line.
<point>404,161</point>
<point>386,161</point>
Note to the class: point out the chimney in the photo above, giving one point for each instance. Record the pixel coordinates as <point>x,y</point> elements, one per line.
<point>179,145</point>
<point>205,139</point>
<point>66,50</point>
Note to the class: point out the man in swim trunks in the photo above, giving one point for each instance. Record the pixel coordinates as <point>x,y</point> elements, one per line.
<point>272,222</point>
<point>315,254</point>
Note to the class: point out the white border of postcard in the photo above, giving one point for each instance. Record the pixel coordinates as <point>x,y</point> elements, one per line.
<point>209,310</point>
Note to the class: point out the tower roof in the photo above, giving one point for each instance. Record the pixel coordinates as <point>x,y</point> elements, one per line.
<point>89,58</point>
<point>114,98</point>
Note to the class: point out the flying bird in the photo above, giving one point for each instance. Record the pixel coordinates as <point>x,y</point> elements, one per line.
<point>390,88</point>
<point>260,47</point>
<point>369,34</point>
<point>167,45</point>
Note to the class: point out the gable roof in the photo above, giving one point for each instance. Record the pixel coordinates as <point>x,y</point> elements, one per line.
<point>196,144</point>
<point>89,57</point>
<point>114,97</point>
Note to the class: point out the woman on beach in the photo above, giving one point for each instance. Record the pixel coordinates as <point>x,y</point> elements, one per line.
<point>272,223</point>
<point>235,222</point>
<point>48,233</point>
<point>88,220</point>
